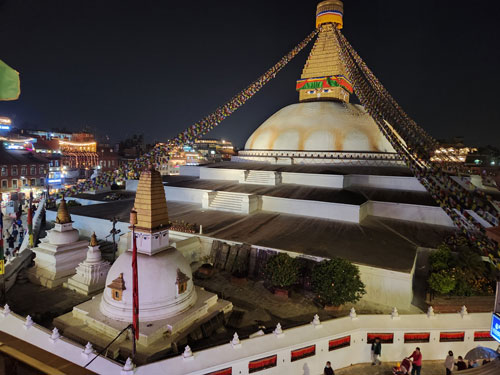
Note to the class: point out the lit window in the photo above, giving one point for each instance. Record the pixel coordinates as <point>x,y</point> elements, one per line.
<point>14,184</point>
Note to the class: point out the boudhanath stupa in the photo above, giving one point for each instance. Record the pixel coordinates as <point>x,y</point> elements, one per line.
<point>317,179</point>
<point>323,127</point>
<point>169,301</point>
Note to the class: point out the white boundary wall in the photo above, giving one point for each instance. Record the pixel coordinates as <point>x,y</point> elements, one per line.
<point>312,179</point>
<point>326,210</point>
<point>358,352</point>
<point>224,356</point>
<point>384,182</point>
<point>410,212</point>
<point>86,225</point>
<point>222,174</point>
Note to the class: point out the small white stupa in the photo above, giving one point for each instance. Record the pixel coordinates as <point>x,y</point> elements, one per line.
<point>59,253</point>
<point>91,273</point>
<point>169,302</point>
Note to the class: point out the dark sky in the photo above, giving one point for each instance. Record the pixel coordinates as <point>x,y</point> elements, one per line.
<point>155,67</point>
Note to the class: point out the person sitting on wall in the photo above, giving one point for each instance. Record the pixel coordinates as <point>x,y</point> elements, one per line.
<point>461,365</point>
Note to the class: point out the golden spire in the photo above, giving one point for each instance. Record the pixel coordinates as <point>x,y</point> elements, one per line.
<point>150,202</point>
<point>93,240</point>
<point>63,216</point>
<point>324,75</point>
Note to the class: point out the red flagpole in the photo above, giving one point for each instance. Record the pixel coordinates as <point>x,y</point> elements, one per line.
<point>135,283</point>
<point>135,286</point>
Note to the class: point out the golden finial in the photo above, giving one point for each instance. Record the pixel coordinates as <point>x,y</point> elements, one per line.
<point>63,216</point>
<point>93,240</point>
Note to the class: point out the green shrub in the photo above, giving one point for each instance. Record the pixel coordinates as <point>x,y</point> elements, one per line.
<point>337,282</point>
<point>441,259</point>
<point>282,270</point>
<point>442,282</point>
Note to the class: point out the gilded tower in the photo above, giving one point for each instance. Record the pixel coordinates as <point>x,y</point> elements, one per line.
<point>324,76</point>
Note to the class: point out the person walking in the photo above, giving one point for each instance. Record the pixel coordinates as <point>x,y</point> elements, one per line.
<point>449,363</point>
<point>417,361</point>
<point>10,242</point>
<point>376,351</point>
<point>328,369</point>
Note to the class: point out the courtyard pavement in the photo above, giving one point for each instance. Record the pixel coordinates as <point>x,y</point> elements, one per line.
<point>428,368</point>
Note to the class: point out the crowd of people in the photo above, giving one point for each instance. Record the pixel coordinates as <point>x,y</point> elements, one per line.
<point>13,239</point>
<point>450,364</point>
<point>412,364</point>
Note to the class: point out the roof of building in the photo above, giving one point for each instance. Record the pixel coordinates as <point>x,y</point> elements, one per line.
<point>21,157</point>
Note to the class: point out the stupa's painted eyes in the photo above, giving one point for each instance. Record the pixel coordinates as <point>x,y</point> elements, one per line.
<point>311,92</point>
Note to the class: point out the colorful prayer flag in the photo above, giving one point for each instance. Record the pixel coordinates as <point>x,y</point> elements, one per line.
<point>10,85</point>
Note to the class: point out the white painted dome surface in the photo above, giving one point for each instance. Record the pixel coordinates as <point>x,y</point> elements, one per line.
<point>319,126</point>
<point>158,291</point>
<point>63,238</point>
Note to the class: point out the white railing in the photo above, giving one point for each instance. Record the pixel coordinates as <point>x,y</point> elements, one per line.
<point>342,341</point>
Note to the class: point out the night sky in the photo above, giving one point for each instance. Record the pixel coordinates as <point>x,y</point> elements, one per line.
<point>155,67</point>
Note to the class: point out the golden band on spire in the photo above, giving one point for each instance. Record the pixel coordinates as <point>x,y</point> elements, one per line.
<point>330,11</point>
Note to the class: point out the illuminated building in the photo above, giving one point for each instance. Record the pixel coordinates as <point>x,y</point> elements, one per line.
<point>180,156</point>
<point>214,149</point>
<point>22,170</point>
<point>5,124</point>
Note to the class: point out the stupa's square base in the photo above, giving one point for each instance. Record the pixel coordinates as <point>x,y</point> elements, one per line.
<point>86,323</point>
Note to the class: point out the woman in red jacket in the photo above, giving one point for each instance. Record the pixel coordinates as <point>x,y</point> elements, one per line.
<point>417,361</point>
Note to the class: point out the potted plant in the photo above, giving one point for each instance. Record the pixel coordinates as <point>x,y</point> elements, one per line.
<point>282,271</point>
<point>337,282</point>
<point>240,272</point>
<point>207,269</point>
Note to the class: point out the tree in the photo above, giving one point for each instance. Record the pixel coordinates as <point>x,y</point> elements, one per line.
<point>441,259</point>
<point>337,282</point>
<point>282,270</point>
<point>442,282</point>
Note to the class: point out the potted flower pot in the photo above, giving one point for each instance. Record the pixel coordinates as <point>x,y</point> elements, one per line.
<point>281,292</point>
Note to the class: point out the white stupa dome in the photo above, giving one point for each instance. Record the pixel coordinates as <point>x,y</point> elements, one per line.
<point>320,126</point>
<point>158,276</point>
<point>63,236</point>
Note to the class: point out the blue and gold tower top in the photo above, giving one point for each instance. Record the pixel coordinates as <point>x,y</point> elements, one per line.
<point>324,75</point>
<point>330,11</point>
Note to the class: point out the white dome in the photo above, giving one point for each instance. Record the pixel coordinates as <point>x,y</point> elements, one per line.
<point>319,126</point>
<point>158,289</point>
